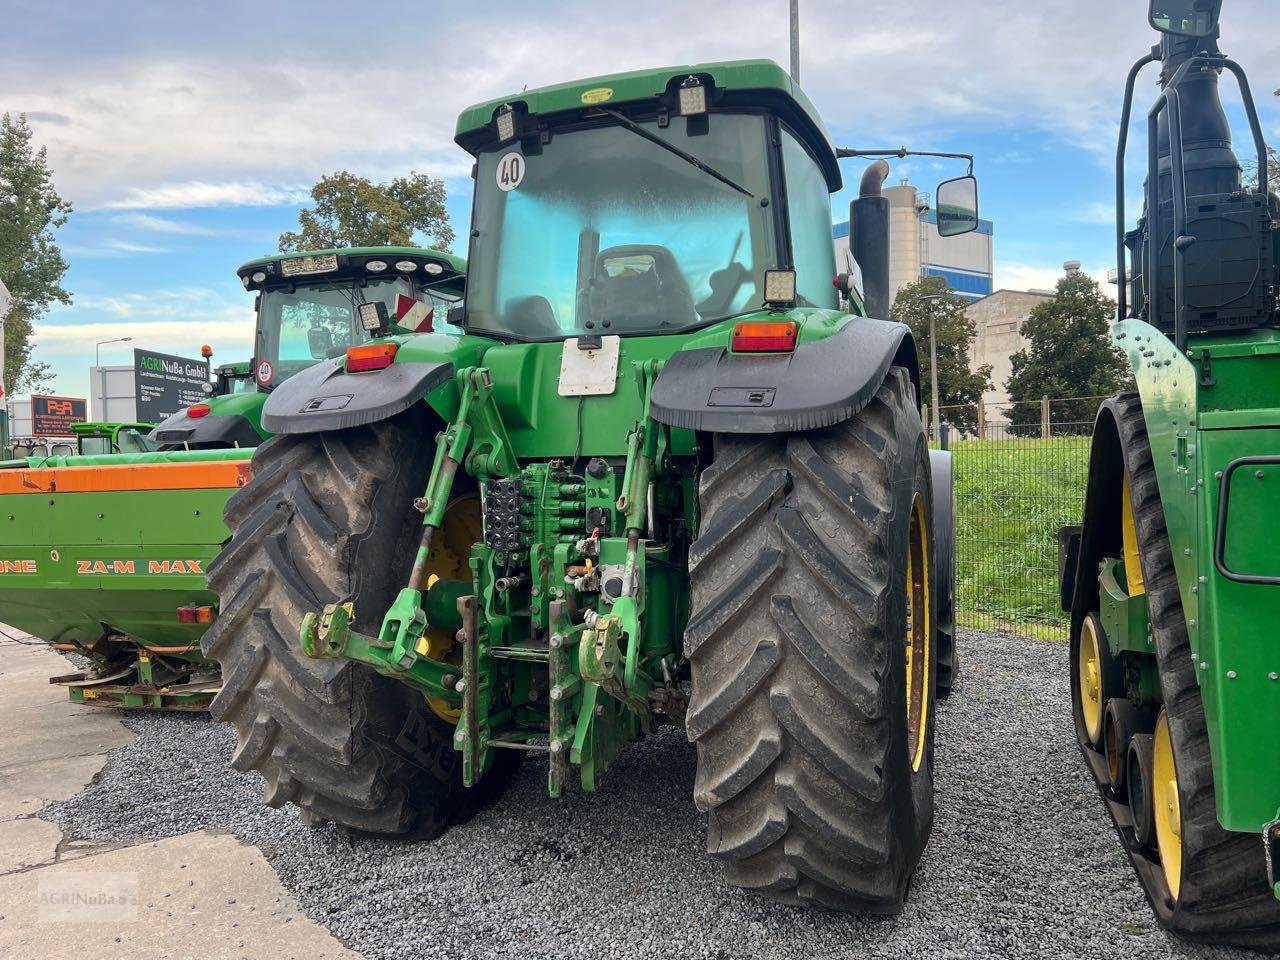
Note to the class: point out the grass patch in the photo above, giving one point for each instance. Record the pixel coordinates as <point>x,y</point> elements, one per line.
<point>1012,496</point>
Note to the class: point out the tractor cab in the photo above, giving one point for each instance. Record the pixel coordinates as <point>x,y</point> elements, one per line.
<point>311,307</point>
<point>652,203</point>
<point>307,305</point>
<point>106,438</point>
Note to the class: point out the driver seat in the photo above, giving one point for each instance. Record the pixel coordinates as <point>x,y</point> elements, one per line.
<point>636,286</point>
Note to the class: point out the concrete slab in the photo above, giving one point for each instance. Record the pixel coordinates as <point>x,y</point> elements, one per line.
<point>186,898</point>
<point>200,895</point>
<point>51,748</point>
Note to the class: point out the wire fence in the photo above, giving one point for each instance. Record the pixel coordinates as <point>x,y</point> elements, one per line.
<point>1020,473</point>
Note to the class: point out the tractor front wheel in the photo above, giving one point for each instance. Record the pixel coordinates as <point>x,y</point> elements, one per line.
<point>813,648</point>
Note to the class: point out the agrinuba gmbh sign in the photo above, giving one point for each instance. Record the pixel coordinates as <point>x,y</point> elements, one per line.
<point>165,384</point>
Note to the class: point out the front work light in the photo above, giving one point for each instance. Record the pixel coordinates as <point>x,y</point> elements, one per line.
<point>764,336</point>
<point>780,288</point>
<point>376,266</point>
<point>406,266</point>
<point>693,98</point>
<point>506,124</point>
<point>370,356</point>
<point>373,316</point>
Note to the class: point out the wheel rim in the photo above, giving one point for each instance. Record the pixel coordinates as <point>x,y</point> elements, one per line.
<point>919,630</point>
<point>449,559</point>
<point>1089,680</point>
<point>1168,806</point>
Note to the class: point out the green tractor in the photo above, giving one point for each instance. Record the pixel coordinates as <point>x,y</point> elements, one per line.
<point>305,312</point>
<point>660,478</point>
<point>94,439</point>
<point>105,552</point>
<point>1172,579</point>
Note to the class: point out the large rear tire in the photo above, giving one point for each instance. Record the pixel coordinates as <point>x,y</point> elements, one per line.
<point>813,649</point>
<point>328,518</point>
<point>1220,892</point>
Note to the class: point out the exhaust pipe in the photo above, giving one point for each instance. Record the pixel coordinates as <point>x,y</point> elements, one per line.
<point>869,239</point>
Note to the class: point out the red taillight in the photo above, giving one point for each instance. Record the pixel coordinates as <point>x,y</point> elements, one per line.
<point>370,356</point>
<point>187,614</point>
<point>764,336</point>
<point>198,410</point>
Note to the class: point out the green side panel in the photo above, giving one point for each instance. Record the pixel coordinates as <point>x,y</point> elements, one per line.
<point>72,563</point>
<point>1204,410</point>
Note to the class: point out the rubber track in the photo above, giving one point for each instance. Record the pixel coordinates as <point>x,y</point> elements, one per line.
<point>1224,896</point>
<point>797,679</point>
<point>328,518</point>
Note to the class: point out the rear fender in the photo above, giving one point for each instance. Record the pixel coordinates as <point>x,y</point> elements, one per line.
<point>326,397</point>
<point>1100,528</point>
<point>822,382</point>
<point>944,535</point>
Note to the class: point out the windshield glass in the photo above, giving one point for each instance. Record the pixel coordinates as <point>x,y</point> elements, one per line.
<point>602,231</point>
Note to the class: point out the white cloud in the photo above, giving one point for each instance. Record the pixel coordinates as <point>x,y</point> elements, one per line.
<point>195,193</point>
<point>223,125</point>
<point>154,224</point>
<point>1012,275</point>
<point>113,248</point>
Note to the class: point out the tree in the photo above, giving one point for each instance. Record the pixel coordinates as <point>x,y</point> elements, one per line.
<point>351,211</point>
<point>959,387</point>
<point>31,264</point>
<point>1070,358</point>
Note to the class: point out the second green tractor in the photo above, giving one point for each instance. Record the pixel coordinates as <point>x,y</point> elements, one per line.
<point>661,477</point>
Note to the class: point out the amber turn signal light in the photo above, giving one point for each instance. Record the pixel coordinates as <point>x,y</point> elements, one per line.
<point>370,356</point>
<point>764,336</point>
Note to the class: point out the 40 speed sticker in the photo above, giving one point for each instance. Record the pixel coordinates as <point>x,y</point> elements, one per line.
<point>510,171</point>
<point>265,372</point>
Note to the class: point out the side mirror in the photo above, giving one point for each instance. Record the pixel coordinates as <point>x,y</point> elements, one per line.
<point>957,205</point>
<point>1185,18</point>
<point>319,342</point>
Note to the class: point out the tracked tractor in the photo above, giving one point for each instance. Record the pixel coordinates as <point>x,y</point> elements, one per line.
<point>1172,580</point>
<point>660,478</point>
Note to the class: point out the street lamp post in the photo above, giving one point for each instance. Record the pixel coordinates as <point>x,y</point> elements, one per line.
<point>102,376</point>
<point>935,427</point>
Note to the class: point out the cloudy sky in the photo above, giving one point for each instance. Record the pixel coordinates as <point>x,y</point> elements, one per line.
<point>186,136</point>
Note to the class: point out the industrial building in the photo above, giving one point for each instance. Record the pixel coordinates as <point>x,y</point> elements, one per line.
<point>998,319</point>
<point>918,250</point>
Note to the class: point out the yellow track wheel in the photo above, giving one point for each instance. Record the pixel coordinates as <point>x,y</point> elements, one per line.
<point>1089,676</point>
<point>449,560</point>
<point>919,640</point>
<point>1168,806</point>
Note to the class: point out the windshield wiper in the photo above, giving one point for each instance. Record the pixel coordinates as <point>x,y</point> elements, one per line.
<point>688,158</point>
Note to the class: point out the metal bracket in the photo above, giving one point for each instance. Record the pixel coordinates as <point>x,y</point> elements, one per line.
<point>1271,833</point>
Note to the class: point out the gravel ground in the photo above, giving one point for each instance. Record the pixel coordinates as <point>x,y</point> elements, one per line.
<point>1023,863</point>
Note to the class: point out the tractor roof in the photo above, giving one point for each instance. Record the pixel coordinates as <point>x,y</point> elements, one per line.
<point>346,262</point>
<point>737,83</point>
